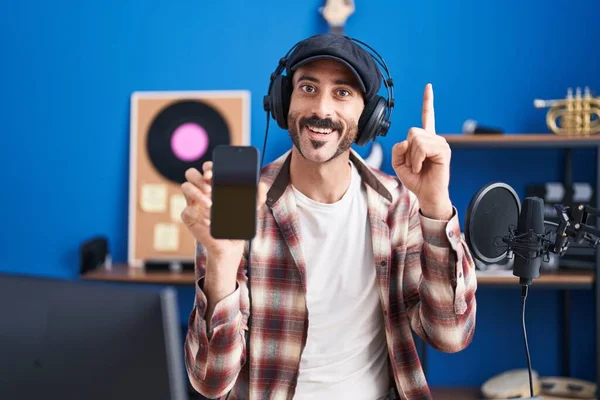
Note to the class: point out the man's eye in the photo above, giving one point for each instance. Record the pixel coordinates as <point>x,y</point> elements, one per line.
<point>308,88</point>
<point>344,92</point>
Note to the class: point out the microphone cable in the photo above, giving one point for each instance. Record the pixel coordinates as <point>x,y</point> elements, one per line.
<point>517,245</point>
<point>524,292</point>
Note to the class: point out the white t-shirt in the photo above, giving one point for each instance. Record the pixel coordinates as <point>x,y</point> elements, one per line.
<point>346,354</point>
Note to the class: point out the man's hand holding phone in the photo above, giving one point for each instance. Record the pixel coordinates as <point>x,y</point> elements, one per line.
<point>223,255</point>
<point>196,215</point>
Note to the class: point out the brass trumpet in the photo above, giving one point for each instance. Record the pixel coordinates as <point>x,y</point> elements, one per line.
<point>576,115</point>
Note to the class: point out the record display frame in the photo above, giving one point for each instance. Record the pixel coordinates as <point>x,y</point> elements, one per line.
<point>171,131</point>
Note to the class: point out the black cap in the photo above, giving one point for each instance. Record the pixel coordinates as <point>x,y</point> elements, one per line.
<point>343,49</point>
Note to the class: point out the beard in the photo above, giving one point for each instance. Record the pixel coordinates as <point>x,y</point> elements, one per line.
<point>297,123</point>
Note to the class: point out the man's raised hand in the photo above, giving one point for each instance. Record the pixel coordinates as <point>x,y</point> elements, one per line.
<point>422,162</point>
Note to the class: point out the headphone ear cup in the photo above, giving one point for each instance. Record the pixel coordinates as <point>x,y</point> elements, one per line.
<point>280,100</point>
<point>371,122</point>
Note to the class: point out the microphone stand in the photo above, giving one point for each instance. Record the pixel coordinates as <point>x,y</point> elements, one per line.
<point>572,226</point>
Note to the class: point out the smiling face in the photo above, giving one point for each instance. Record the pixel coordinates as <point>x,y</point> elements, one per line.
<point>325,107</point>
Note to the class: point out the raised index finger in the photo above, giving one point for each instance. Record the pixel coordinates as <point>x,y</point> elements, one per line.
<point>428,115</point>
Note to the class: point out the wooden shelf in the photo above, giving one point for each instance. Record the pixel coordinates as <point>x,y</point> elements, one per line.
<point>125,273</point>
<point>565,279</point>
<point>516,140</point>
<point>455,393</point>
<point>562,278</point>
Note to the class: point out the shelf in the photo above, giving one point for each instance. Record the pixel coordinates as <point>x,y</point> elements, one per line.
<point>520,140</point>
<point>561,279</point>
<point>125,273</point>
<point>455,393</point>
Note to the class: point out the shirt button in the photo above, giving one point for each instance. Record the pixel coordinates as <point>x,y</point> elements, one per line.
<point>451,233</point>
<point>460,274</point>
<point>382,263</point>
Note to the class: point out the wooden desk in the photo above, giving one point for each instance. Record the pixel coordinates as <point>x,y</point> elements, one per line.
<point>125,273</point>
<point>567,279</point>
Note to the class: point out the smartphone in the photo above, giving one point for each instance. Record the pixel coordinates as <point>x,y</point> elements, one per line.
<point>234,192</point>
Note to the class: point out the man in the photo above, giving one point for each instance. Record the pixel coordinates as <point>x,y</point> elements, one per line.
<point>347,261</point>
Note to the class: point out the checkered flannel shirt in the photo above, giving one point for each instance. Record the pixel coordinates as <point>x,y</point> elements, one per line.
<point>425,277</point>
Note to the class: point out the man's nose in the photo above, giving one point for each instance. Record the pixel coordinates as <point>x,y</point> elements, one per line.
<point>323,107</point>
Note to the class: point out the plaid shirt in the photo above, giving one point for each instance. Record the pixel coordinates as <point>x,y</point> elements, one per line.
<point>425,276</point>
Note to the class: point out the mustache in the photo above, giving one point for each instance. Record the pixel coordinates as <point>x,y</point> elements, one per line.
<point>325,123</point>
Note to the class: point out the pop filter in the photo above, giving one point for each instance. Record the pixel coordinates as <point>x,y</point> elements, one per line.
<point>491,212</point>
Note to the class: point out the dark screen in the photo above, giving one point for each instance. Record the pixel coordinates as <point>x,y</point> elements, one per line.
<point>234,195</point>
<point>234,211</point>
<point>63,339</point>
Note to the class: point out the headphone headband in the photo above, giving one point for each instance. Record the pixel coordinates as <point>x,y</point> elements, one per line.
<point>389,82</point>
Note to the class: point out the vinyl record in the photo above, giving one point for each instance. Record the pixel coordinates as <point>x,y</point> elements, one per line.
<point>183,135</point>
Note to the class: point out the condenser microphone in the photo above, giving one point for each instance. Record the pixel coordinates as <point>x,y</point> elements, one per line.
<point>497,227</point>
<point>528,243</point>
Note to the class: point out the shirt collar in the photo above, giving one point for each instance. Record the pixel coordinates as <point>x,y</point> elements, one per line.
<point>282,178</point>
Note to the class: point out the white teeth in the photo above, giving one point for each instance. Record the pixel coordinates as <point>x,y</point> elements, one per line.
<point>320,130</point>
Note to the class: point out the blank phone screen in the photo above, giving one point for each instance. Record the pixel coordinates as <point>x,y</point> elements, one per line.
<point>234,192</point>
<point>233,211</point>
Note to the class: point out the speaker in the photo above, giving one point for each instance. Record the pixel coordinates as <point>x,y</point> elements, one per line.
<point>94,253</point>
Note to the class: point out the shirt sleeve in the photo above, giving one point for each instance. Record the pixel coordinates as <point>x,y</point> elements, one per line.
<point>215,350</point>
<point>439,281</point>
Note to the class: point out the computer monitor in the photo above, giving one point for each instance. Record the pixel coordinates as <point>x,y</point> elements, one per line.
<point>65,339</point>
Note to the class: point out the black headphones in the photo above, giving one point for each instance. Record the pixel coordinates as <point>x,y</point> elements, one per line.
<point>374,120</point>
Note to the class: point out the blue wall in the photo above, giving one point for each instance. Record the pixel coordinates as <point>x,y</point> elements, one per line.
<point>68,70</point>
